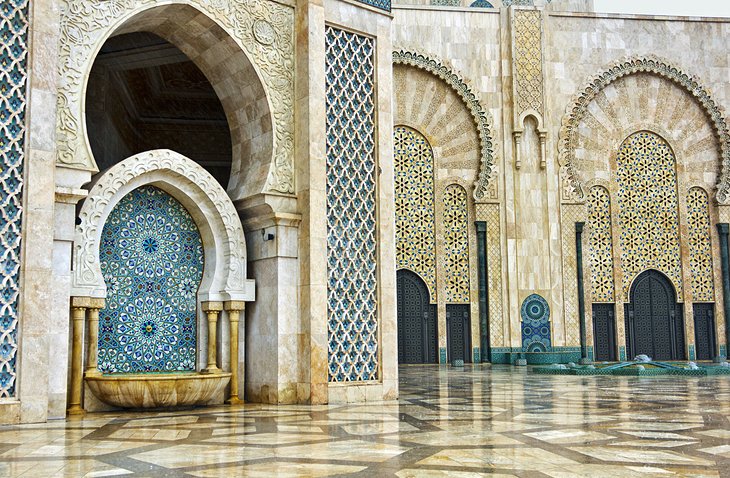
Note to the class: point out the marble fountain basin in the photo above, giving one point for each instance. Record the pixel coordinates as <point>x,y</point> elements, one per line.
<point>157,390</point>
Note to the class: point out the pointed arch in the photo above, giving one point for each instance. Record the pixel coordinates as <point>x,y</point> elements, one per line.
<point>577,109</point>
<point>482,119</point>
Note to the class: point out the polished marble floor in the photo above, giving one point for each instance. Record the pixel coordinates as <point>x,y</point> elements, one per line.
<point>479,421</point>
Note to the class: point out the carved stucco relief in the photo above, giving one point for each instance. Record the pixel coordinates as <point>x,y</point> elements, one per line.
<point>578,110</point>
<point>223,238</point>
<point>485,184</point>
<point>264,30</point>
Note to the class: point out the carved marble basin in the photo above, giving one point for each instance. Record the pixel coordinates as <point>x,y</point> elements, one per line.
<point>158,390</point>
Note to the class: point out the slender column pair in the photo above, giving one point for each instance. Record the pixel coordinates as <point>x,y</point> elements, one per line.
<point>213,310</point>
<point>83,310</point>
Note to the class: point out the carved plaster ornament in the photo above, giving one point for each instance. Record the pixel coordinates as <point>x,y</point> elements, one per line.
<point>487,170</point>
<point>573,189</point>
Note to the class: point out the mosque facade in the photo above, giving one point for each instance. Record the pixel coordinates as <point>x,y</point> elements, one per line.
<point>281,201</point>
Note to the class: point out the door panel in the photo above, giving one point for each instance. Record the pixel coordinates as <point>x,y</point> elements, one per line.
<point>704,318</point>
<point>654,320</point>
<point>417,333</point>
<point>458,327</point>
<point>604,333</point>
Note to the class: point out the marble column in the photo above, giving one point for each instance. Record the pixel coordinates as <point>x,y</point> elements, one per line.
<point>78,315</point>
<point>92,345</point>
<point>234,309</point>
<point>212,309</point>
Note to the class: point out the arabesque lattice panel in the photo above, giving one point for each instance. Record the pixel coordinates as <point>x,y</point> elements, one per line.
<point>13,83</point>
<point>414,206</point>
<point>700,247</point>
<point>600,248</point>
<point>456,244</point>
<point>351,222</point>
<point>647,209</point>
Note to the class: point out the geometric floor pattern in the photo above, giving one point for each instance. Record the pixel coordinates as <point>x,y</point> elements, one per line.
<point>480,421</point>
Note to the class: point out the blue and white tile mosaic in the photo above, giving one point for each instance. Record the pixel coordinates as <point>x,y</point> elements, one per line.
<point>13,83</point>
<point>381,4</point>
<point>350,189</point>
<point>535,313</point>
<point>152,259</point>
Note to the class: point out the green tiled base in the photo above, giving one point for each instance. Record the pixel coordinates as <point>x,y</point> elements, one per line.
<point>507,355</point>
<point>477,358</point>
<point>442,355</point>
<point>634,372</point>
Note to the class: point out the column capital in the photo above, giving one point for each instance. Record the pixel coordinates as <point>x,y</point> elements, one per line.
<point>212,306</point>
<point>237,305</point>
<point>723,228</point>
<point>96,303</point>
<point>80,302</point>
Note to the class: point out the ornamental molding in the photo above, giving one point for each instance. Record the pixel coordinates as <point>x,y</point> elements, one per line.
<point>204,198</point>
<point>435,66</point>
<point>574,187</point>
<point>85,26</point>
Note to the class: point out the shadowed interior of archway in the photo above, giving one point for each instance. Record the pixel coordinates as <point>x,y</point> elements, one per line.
<point>144,94</point>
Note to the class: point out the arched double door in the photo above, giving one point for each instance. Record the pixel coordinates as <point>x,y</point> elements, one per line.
<point>417,331</point>
<point>654,318</point>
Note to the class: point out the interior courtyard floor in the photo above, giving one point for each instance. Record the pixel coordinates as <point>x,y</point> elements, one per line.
<point>479,421</point>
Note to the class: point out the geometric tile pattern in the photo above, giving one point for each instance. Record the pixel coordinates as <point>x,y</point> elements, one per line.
<point>700,247</point>
<point>151,256</point>
<point>481,4</point>
<point>381,4</point>
<point>13,83</point>
<point>527,25</point>
<point>490,214</point>
<point>414,206</point>
<point>456,245</point>
<point>350,194</point>
<point>647,209</point>
<point>571,213</point>
<point>600,252</point>
<point>480,421</point>
<point>535,313</point>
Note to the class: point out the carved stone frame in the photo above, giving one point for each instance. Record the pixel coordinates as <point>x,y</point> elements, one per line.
<point>264,31</point>
<point>224,277</point>
<point>487,170</point>
<point>577,108</point>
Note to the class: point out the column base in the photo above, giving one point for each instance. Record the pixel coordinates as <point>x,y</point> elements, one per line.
<point>92,373</point>
<point>234,401</point>
<point>76,410</point>
<point>211,370</point>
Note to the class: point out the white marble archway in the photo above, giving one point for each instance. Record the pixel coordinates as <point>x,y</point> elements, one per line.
<point>224,277</point>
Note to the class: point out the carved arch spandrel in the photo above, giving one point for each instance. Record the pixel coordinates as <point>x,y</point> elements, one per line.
<point>263,31</point>
<point>482,119</point>
<point>224,244</point>
<point>578,109</point>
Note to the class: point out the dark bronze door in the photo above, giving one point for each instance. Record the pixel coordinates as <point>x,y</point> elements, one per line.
<point>458,332</point>
<point>705,331</point>
<point>417,337</point>
<point>604,333</point>
<point>654,322</point>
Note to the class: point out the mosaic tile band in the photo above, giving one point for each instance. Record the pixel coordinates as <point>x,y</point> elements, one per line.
<point>535,313</point>
<point>152,259</point>
<point>600,252</point>
<point>456,245</point>
<point>352,320</point>
<point>647,205</point>
<point>700,247</point>
<point>414,206</point>
<point>13,82</point>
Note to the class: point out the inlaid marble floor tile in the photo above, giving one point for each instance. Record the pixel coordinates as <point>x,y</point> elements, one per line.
<point>569,436</point>
<point>480,421</point>
<point>642,456</point>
